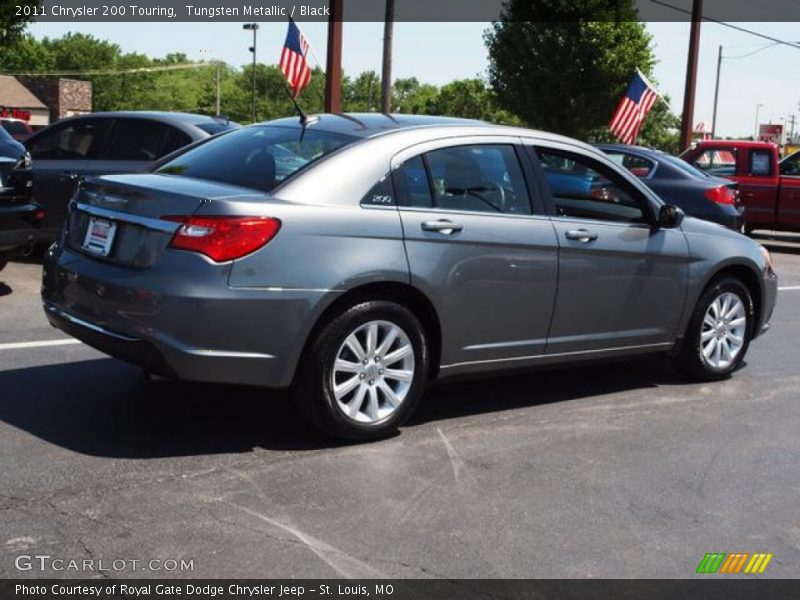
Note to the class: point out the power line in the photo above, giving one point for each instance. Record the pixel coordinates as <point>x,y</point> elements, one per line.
<point>111,71</point>
<point>730,25</point>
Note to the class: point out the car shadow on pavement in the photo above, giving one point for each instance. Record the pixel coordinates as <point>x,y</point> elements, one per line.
<point>107,408</point>
<point>5,289</point>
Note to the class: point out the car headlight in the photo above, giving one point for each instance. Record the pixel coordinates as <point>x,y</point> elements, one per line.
<point>769,267</point>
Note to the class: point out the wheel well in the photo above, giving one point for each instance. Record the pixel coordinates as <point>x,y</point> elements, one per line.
<point>748,278</point>
<point>401,293</point>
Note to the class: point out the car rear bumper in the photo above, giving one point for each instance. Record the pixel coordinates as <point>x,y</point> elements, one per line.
<point>192,328</point>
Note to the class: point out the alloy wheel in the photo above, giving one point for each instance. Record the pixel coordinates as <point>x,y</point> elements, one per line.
<point>723,331</point>
<point>373,371</point>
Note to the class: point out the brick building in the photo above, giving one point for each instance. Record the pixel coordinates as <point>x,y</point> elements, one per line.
<point>44,100</point>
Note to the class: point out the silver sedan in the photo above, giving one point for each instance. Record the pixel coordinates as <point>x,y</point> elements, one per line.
<point>355,258</point>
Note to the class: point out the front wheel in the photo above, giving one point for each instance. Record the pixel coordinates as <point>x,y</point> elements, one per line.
<point>363,376</point>
<point>719,332</point>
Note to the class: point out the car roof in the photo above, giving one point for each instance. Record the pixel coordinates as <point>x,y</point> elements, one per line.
<point>173,117</point>
<point>371,125</point>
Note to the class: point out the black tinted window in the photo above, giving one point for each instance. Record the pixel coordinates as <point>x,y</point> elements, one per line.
<point>70,141</point>
<point>791,165</point>
<point>136,140</point>
<point>15,127</point>
<point>485,178</point>
<point>255,157</point>
<point>584,188</point>
<point>637,165</point>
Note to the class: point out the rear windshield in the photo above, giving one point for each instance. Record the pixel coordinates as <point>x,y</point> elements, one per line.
<point>259,157</point>
<point>683,166</point>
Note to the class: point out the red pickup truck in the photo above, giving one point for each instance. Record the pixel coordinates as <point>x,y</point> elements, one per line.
<point>770,188</point>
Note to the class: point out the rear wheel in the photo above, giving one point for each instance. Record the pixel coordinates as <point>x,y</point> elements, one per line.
<point>363,375</point>
<point>719,332</point>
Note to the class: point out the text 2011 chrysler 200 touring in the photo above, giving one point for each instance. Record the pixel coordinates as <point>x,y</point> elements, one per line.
<point>355,258</point>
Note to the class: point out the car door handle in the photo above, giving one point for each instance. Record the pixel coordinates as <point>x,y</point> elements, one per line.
<point>442,226</point>
<point>581,235</point>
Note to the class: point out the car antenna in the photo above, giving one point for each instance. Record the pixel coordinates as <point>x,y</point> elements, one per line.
<point>304,120</point>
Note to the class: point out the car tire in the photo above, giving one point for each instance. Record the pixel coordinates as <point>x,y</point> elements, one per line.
<point>350,399</point>
<point>719,331</point>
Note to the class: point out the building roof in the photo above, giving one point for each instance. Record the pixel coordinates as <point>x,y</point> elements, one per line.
<point>15,95</point>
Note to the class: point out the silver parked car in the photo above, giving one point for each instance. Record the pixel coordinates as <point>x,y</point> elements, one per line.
<point>396,250</point>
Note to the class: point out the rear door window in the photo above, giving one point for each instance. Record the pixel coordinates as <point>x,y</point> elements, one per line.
<point>142,140</point>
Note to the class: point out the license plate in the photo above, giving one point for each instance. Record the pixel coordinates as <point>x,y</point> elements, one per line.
<point>99,236</point>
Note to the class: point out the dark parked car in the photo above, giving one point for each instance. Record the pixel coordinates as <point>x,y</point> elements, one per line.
<point>19,215</point>
<point>401,250</point>
<point>17,128</point>
<point>680,184</point>
<point>102,143</point>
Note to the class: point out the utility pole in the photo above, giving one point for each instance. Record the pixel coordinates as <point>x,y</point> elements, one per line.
<point>792,119</point>
<point>254,28</point>
<point>758,109</point>
<point>388,34</point>
<point>219,69</point>
<point>333,71</point>
<point>691,75</point>
<point>716,96</point>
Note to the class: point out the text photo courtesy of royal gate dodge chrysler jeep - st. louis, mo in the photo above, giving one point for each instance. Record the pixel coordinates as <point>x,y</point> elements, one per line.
<point>399,299</point>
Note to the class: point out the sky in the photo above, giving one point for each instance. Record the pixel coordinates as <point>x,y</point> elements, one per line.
<point>440,52</point>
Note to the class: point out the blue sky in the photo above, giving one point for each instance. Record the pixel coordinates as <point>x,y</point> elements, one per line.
<point>439,52</point>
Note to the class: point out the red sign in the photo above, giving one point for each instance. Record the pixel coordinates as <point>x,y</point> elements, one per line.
<point>15,113</point>
<point>770,133</point>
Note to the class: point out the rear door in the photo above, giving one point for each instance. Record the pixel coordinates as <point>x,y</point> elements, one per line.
<point>622,282</point>
<point>60,157</point>
<point>479,246</point>
<point>789,203</point>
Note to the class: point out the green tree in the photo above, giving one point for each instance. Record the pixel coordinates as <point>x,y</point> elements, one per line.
<point>412,97</point>
<point>11,25</point>
<point>362,94</point>
<point>471,99</point>
<point>560,71</point>
<point>661,130</point>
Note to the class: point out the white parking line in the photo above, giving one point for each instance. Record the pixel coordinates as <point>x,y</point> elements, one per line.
<point>789,288</point>
<point>42,344</point>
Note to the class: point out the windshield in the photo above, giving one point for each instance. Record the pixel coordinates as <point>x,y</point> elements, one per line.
<point>259,157</point>
<point>15,127</point>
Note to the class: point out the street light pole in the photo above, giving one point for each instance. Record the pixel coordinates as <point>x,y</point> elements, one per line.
<point>254,28</point>
<point>716,96</point>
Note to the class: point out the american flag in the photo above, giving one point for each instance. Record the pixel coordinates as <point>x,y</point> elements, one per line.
<point>633,109</point>
<point>293,59</point>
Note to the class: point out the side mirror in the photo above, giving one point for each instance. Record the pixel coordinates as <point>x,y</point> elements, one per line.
<point>670,217</point>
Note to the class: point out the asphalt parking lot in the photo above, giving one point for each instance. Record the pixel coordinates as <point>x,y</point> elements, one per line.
<point>617,470</point>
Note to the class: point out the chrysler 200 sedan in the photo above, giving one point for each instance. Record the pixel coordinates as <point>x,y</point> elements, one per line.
<point>395,250</point>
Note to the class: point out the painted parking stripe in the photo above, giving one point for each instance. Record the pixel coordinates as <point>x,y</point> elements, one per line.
<point>42,344</point>
<point>789,288</point>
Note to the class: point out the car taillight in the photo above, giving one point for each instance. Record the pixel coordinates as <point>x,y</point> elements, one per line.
<point>721,195</point>
<point>223,238</point>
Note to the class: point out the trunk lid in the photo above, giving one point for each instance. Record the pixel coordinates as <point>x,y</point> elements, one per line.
<point>118,218</point>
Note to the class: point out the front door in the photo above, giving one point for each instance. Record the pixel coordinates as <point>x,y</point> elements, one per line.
<point>789,203</point>
<point>622,282</point>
